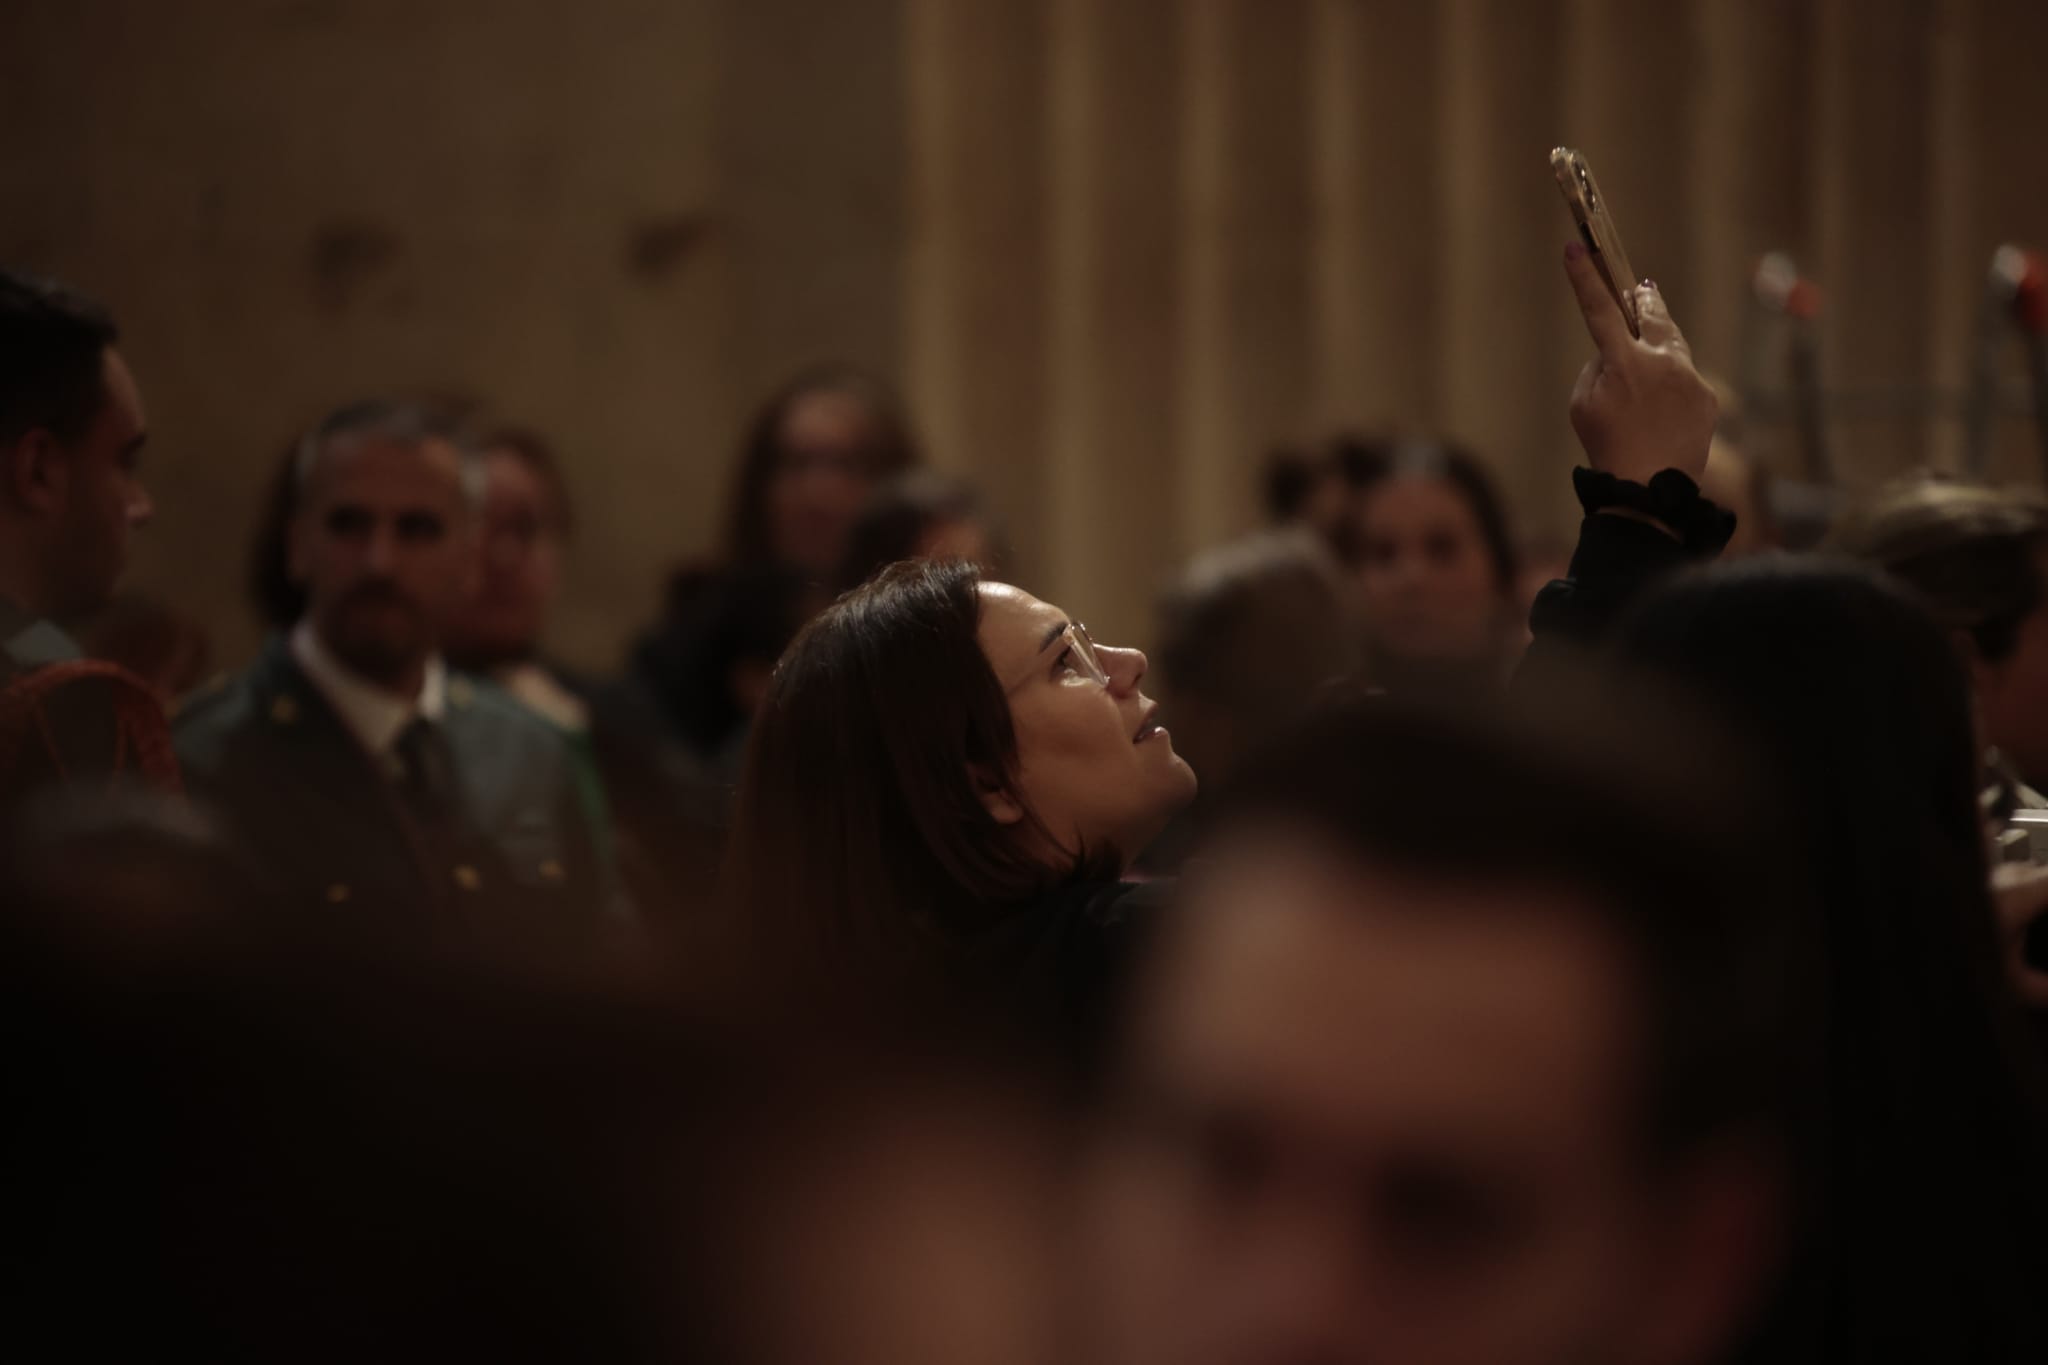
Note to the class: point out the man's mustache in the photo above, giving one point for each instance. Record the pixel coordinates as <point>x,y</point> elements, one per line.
<point>378,592</point>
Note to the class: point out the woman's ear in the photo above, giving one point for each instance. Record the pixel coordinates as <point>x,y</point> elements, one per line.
<point>996,797</point>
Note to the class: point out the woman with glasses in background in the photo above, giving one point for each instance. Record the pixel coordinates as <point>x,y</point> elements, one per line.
<point>949,772</point>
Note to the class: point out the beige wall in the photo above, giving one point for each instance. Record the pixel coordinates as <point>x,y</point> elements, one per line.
<point>1114,248</point>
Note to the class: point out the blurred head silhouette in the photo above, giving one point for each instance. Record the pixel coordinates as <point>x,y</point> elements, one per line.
<point>1424,1080</point>
<point>71,435</point>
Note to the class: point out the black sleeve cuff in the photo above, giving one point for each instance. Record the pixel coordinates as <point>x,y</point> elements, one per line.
<point>1671,497</point>
<point>1616,558</point>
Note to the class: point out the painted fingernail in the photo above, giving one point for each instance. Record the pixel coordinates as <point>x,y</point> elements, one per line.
<point>1574,250</point>
<point>1649,284</point>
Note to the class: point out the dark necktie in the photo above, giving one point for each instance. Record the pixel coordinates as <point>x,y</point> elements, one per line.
<point>426,781</point>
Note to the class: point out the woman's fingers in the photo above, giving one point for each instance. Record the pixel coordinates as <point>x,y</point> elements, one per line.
<point>1655,319</point>
<point>1609,329</point>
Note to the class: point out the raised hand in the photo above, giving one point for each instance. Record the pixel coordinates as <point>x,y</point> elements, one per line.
<point>1639,406</point>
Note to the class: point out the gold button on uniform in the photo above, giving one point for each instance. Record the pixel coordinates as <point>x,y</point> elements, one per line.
<point>284,710</point>
<point>338,894</point>
<point>466,877</point>
<point>550,871</point>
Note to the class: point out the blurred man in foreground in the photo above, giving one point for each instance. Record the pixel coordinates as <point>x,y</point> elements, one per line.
<point>1410,1087</point>
<point>365,775</point>
<point>71,433</point>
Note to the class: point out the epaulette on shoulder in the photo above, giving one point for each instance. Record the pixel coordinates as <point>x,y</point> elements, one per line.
<point>212,700</point>
<point>484,700</point>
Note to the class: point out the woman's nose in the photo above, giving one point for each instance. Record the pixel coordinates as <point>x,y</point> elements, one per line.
<point>1126,667</point>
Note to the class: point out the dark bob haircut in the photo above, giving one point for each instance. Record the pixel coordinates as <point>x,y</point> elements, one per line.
<point>860,826</point>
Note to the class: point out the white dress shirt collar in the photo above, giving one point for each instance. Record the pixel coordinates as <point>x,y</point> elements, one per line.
<point>374,715</point>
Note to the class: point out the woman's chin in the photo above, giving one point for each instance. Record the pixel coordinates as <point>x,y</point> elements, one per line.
<point>1185,781</point>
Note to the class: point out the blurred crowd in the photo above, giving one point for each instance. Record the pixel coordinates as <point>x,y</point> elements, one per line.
<point>1484,951</point>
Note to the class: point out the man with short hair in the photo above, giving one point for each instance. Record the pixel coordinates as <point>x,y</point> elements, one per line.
<point>1420,1079</point>
<point>366,776</point>
<point>71,432</point>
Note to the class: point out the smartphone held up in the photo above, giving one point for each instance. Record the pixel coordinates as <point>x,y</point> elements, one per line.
<point>1596,229</point>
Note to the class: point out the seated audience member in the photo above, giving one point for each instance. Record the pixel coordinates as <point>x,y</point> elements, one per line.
<point>1417,1079</point>
<point>919,515</point>
<point>354,765</point>
<point>1925,1160</point>
<point>1436,572</point>
<point>814,454</point>
<point>71,433</point>
<point>663,827</point>
<point>1249,635</point>
<point>523,536</point>
<point>812,457</point>
<point>1979,557</point>
<point>948,766</point>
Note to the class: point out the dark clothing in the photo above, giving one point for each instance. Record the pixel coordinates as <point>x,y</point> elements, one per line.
<point>1471,682</point>
<point>666,816</point>
<point>72,722</point>
<point>482,826</point>
<point>1061,966</point>
<point>717,624</point>
<point>1616,559</point>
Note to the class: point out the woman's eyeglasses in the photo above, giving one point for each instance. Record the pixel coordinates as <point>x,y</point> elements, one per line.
<point>1085,660</point>
<point>1077,651</point>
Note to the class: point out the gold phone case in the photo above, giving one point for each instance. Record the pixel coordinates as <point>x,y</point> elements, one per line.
<point>1596,229</point>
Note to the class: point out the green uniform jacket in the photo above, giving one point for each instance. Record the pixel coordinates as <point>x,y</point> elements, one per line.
<point>267,752</point>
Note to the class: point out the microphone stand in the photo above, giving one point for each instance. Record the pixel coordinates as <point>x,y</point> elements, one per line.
<point>2015,295</point>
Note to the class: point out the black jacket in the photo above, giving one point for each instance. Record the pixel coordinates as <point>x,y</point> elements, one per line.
<point>1059,967</point>
<point>1616,559</point>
